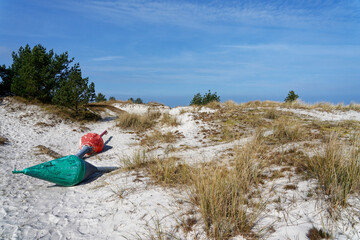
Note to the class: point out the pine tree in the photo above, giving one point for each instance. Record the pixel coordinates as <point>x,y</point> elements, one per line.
<point>203,100</point>
<point>74,91</point>
<point>100,98</point>
<point>6,79</point>
<point>138,101</point>
<point>37,73</point>
<point>291,96</point>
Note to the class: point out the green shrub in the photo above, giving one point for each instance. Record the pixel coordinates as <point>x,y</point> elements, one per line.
<point>291,96</point>
<point>100,98</point>
<point>138,101</point>
<point>203,100</point>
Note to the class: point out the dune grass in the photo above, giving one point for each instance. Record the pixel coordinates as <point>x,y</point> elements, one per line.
<point>169,120</point>
<point>157,137</point>
<point>3,140</point>
<point>140,159</point>
<point>163,171</point>
<point>138,122</point>
<point>272,114</point>
<point>337,169</point>
<point>63,113</point>
<point>169,172</point>
<point>222,194</point>
<point>287,130</point>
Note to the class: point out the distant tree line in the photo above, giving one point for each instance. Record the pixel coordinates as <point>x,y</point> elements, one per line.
<point>48,77</point>
<point>136,101</point>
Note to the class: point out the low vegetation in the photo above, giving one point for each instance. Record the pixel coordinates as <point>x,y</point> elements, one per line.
<point>169,120</point>
<point>137,161</point>
<point>285,130</point>
<point>223,194</point>
<point>156,137</point>
<point>137,122</point>
<point>291,97</point>
<point>205,99</point>
<point>136,101</point>
<point>3,140</point>
<point>169,172</point>
<point>226,193</point>
<point>337,169</point>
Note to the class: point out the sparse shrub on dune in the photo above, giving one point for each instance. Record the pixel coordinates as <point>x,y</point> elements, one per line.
<point>65,113</point>
<point>100,98</point>
<point>137,161</point>
<point>271,104</point>
<point>354,106</point>
<point>112,99</point>
<point>169,172</point>
<point>213,105</point>
<point>163,171</point>
<point>222,194</point>
<point>230,104</point>
<point>205,99</point>
<point>291,97</point>
<point>286,130</point>
<point>138,122</point>
<point>271,114</point>
<point>318,234</point>
<point>169,120</point>
<point>252,104</point>
<point>157,137</point>
<point>3,140</point>
<point>337,169</point>
<point>325,106</point>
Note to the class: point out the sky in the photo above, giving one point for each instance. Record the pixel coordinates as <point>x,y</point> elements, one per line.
<point>169,50</point>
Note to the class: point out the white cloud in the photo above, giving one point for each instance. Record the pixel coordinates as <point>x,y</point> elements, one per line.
<point>107,58</point>
<point>275,47</point>
<point>211,13</point>
<point>303,49</point>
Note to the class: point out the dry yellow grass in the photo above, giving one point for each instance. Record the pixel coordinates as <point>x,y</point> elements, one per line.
<point>213,105</point>
<point>169,172</point>
<point>3,140</point>
<point>286,130</point>
<point>337,169</point>
<point>222,194</point>
<point>137,161</point>
<point>137,122</point>
<point>62,113</point>
<point>272,114</point>
<point>157,137</point>
<point>169,120</point>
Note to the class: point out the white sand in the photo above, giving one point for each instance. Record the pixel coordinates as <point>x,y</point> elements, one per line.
<point>125,205</point>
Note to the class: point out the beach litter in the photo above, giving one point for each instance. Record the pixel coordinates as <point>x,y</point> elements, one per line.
<point>69,170</point>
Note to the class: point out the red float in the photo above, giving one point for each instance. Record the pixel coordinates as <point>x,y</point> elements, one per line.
<point>94,141</point>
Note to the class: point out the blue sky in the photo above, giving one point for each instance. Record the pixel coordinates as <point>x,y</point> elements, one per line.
<point>167,51</point>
